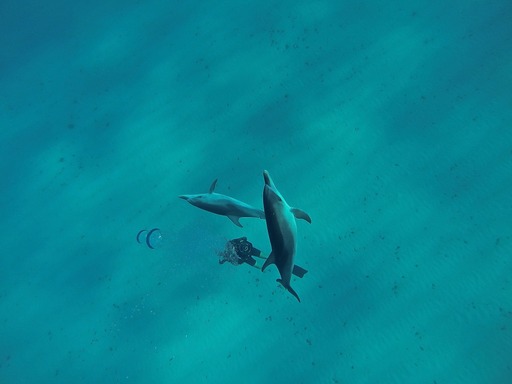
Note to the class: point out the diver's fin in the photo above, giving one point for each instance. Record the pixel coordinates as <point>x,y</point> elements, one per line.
<point>299,271</point>
<point>270,260</point>
<point>235,219</point>
<point>212,187</point>
<point>289,289</point>
<point>300,214</point>
<point>251,261</point>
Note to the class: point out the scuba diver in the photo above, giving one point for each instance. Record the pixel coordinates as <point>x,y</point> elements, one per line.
<point>239,251</point>
<point>236,251</point>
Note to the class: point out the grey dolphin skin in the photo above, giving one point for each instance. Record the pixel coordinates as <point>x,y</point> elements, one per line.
<point>223,205</point>
<point>282,231</point>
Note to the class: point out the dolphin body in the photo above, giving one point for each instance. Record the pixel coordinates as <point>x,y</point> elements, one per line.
<point>223,205</point>
<point>282,231</point>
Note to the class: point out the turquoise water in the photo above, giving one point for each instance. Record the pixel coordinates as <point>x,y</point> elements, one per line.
<point>389,123</point>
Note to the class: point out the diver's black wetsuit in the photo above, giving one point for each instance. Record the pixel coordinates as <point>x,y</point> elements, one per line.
<point>239,251</point>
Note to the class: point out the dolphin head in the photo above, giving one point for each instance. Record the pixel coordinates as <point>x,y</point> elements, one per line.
<point>193,199</point>
<point>270,192</point>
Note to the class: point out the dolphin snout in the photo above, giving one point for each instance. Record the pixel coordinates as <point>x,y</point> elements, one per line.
<point>184,197</point>
<point>266,177</point>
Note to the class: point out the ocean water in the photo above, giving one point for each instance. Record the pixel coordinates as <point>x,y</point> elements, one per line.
<point>389,123</point>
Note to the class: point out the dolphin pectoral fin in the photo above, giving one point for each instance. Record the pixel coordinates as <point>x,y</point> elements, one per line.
<point>270,260</point>
<point>235,220</point>
<point>212,187</point>
<point>300,214</point>
<point>289,289</point>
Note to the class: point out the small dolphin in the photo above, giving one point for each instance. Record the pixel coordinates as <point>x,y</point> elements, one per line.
<point>282,231</point>
<point>223,205</point>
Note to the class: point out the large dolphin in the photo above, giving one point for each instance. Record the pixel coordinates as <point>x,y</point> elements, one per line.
<point>282,231</point>
<point>223,205</point>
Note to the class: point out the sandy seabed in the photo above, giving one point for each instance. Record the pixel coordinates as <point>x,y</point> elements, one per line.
<point>389,124</point>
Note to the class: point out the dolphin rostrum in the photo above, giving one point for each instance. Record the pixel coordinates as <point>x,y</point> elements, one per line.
<point>282,231</point>
<point>223,205</point>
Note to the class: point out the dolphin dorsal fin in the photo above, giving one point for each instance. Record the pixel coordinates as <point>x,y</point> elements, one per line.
<point>212,187</point>
<point>300,214</point>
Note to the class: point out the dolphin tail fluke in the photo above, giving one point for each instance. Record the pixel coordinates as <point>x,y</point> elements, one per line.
<point>235,220</point>
<point>270,260</point>
<point>289,289</point>
<point>300,214</point>
<point>212,187</point>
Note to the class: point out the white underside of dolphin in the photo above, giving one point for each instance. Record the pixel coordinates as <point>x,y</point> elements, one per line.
<point>223,205</point>
<point>282,232</point>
